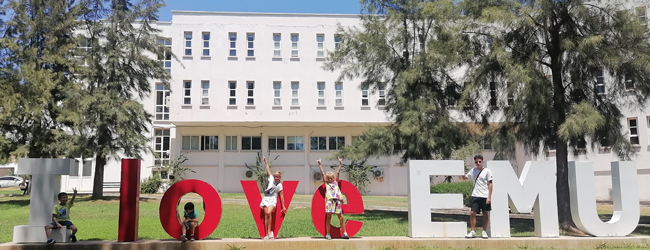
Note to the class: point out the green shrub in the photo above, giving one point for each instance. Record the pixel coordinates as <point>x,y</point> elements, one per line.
<point>151,185</point>
<point>462,187</point>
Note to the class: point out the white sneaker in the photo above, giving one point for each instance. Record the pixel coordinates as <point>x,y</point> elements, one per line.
<point>266,237</point>
<point>271,236</point>
<point>484,235</point>
<point>471,234</point>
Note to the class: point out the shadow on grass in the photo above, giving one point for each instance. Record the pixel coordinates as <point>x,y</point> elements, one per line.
<point>382,215</point>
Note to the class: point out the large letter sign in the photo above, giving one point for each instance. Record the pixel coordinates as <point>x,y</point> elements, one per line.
<point>46,184</point>
<point>534,189</point>
<point>421,201</point>
<point>254,199</point>
<point>624,191</point>
<point>354,206</point>
<point>129,200</point>
<point>211,201</point>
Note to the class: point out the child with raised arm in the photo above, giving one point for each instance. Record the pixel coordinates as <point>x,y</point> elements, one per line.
<point>61,217</point>
<point>270,200</point>
<point>333,197</point>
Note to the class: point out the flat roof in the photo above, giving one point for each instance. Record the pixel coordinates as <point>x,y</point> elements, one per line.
<point>222,13</point>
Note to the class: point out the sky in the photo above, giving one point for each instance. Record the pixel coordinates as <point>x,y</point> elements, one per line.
<point>275,6</point>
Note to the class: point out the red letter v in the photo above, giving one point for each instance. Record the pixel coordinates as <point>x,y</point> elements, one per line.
<point>252,191</point>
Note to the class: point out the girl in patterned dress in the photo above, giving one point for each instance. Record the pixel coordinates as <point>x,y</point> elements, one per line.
<point>333,197</point>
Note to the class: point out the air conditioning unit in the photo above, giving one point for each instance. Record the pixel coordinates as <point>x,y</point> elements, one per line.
<point>249,174</point>
<point>378,172</point>
<point>317,177</point>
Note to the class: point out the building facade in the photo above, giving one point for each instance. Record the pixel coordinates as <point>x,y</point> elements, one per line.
<point>245,83</point>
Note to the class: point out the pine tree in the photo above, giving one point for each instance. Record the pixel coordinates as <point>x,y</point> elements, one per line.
<point>118,76</point>
<point>410,49</point>
<point>551,56</point>
<point>35,74</point>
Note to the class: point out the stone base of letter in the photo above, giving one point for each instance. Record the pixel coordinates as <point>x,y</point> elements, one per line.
<point>32,234</point>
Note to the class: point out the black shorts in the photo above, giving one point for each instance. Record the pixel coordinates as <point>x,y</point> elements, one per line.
<point>478,204</point>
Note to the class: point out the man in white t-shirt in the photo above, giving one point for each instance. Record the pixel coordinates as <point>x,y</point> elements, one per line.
<point>481,198</point>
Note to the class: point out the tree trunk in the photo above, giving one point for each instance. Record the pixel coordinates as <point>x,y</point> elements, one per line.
<point>98,182</point>
<point>561,152</point>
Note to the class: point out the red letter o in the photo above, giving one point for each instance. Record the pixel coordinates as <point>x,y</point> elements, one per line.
<point>211,201</point>
<point>355,206</point>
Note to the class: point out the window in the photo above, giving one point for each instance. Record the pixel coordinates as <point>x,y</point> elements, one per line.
<point>166,56</point>
<point>641,13</point>
<point>493,94</point>
<point>511,95</point>
<point>629,84</point>
<point>295,143</point>
<point>276,142</point>
<point>210,142</point>
<point>83,48</point>
<point>581,144</point>
<point>634,131</point>
<point>336,142</point>
<point>320,40</point>
<point>321,93</point>
<point>87,168</point>
<point>450,94</point>
<point>552,144</point>
<point>277,52</point>
<point>337,41</point>
<point>364,96</point>
<point>206,43</point>
<point>276,93</point>
<point>294,45</point>
<point>251,143</point>
<point>250,37</point>
<point>604,142</point>
<point>600,82</point>
<point>382,95</point>
<point>338,88</point>
<point>202,143</point>
<point>188,43</point>
<point>318,143</point>
<point>187,95</point>
<point>231,142</point>
<point>162,95</point>
<point>295,93</point>
<point>161,146</point>
<point>233,43</point>
<point>205,87</point>
<point>232,86</point>
<point>251,93</point>
<point>191,142</point>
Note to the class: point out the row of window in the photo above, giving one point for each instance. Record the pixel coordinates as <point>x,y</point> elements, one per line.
<point>162,110</point>
<point>292,143</point>
<point>250,44</point>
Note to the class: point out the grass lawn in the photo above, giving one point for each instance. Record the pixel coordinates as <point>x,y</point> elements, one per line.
<point>97,220</point>
<point>10,190</point>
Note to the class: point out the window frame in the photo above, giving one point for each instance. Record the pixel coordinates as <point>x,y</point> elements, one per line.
<point>295,94</point>
<point>636,127</point>
<point>250,93</point>
<point>232,93</point>
<point>320,45</point>
<point>321,93</point>
<point>188,41</point>
<point>251,137</point>
<point>206,44</point>
<point>250,44</point>
<point>187,92</point>
<point>338,94</point>
<point>277,45</point>
<point>295,45</point>
<point>232,44</point>
<point>205,93</point>
<point>277,93</point>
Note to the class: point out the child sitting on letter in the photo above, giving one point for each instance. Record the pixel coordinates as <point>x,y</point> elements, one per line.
<point>190,219</point>
<point>61,217</point>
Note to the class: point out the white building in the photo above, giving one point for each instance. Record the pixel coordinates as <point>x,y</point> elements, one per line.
<point>251,82</point>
